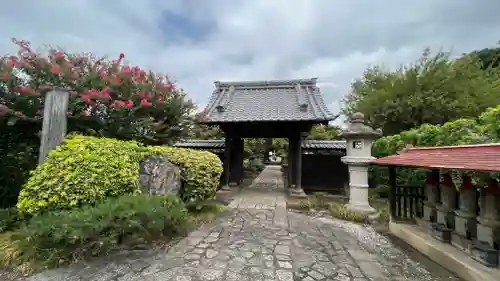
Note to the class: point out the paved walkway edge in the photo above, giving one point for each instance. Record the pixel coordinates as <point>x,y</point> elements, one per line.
<point>445,255</point>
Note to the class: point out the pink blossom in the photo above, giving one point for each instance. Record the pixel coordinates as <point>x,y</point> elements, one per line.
<point>59,55</point>
<point>6,76</point>
<point>118,104</point>
<point>145,102</point>
<point>160,100</point>
<point>56,69</point>
<point>130,104</point>
<point>126,69</point>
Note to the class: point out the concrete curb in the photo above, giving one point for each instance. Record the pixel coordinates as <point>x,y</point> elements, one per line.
<point>446,255</point>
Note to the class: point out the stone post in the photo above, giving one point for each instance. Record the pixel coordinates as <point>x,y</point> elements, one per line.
<point>465,216</point>
<point>445,211</point>
<point>54,121</point>
<point>488,229</point>
<point>431,198</point>
<point>359,138</point>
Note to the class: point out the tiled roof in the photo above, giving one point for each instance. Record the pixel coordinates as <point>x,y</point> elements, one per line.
<point>285,100</point>
<point>324,144</point>
<point>306,144</point>
<point>482,157</point>
<point>201,144</point>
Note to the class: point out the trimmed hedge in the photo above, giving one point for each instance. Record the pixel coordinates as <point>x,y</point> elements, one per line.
<point>86,170</point>
<point>129,221</point>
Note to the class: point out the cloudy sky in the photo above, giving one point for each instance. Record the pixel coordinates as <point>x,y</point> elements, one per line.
<point>200,41</point>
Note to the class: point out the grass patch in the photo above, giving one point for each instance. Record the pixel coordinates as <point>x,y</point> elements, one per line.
<point>204,212</point>
<point>128,222</point>
<point>335,206</point>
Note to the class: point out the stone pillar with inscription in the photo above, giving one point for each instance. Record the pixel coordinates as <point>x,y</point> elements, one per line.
<point>465,216</point>
<point>431,199</point>
<point>445,210</point>
<point>488,229</point>
<point>359,138</point>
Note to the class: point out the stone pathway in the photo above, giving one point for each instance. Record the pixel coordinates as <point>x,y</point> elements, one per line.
<point>257,239</point>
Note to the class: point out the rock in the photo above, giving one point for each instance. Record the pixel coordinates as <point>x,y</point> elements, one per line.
<point>158,176</point>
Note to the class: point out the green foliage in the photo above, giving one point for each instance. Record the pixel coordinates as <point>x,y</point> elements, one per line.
<point>341,212</point>
<point>490,122</point>
<point>434,90</point>
<point>322,132</point>
<point>489,57</point>
<point>458,132</point>
<point>205,132</point>
<point>10,219</point>
<point>86,170</point>
<point>128,221</point>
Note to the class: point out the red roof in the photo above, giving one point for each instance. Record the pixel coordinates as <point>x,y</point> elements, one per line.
<point>482,157</point>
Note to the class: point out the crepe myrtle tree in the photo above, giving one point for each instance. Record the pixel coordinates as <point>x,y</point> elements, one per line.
<point>108,98</point>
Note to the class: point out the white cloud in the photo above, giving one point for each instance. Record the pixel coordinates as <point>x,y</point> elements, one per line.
<point>243,40</point>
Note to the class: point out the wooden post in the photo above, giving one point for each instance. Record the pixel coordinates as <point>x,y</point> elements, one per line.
<point>298,163</point>
<point>241,151</point>
<point>392,191</point>
<point>236,160</point>
<point>291,162</point>
<point>436,180</point>
<point>227,162</point>
<point>54,122</point>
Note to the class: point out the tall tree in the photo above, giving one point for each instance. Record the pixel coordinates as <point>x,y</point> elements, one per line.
<point>434,90</point>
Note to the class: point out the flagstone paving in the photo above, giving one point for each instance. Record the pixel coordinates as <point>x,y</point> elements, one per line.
<point>257,239</point>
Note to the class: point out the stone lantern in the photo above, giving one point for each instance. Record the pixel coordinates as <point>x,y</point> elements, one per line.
<point>359,139</point>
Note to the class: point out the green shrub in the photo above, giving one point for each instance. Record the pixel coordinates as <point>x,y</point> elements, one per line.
<point>10,219</point>
<point>128,221</point>
<point>86,170</point>
<point>83,170</point>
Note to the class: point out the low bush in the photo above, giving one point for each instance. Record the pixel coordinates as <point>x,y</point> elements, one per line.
<point>10,219</point>
<point>86,170</point>
<point>128,221</point>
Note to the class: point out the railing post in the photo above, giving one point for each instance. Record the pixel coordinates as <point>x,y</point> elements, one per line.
<point>54,122</point>
<point>392,191</point>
